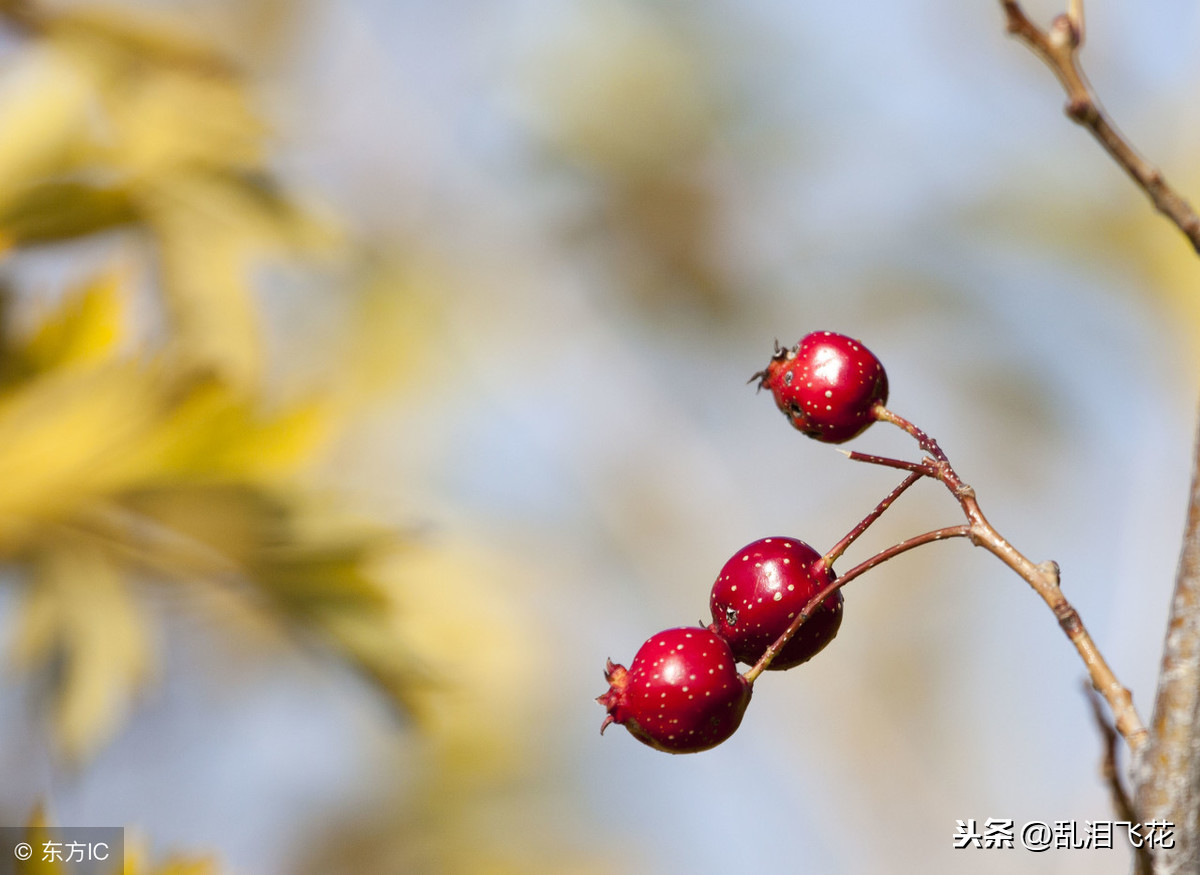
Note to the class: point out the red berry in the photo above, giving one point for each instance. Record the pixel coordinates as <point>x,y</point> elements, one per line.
<point>760,591</point>
<point>682,693</point>
<point>827,385</point>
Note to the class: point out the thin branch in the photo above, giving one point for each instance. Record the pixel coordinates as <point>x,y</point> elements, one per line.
<point>835,552</point>
<point>904,546</point>
<point>925,468</point>
<point>924,440</point>
<point>1058,47</point>
<point>1122,804</point>
<point>1075,16</point>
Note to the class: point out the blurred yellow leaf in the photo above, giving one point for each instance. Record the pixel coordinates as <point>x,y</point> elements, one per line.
<point>80,618</point>
<point>118,44</point>
<point>174,119</point>
<point>211,233</point>
<point>62,435</point>
<point>125,121</point>
<point>86,327</point>
<point>140,449</point>
<point>111,464</point>
<point>204,260</point>
<point>214,434</point>
<point>135,862</point>
<point>58,210</point>
<point>186,867</point>
<point>44,106</point>
<point>1101,232</point>
<point>35,835</point>
<point>318,579</point>
<point>1171,263</point>
<point>321,575</point>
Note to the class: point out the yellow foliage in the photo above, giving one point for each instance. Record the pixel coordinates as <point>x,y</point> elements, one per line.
<point>86,329</point>
<point>62,436</point>
<point>81,616</point>
<point>213,434</point>
<point>113,465</point>
<point>175,121</point>
<point>123,454</point>
<point>177,866</point>
<point>135,457</point>
<point>63,209</point>
<point>112,122</point>
<point>43,114</point>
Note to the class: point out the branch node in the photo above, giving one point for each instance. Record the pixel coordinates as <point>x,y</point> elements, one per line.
<point>1064,36</point>
<point>1081,110</point>
<point>1068,619</point>
<point>1051,570</point>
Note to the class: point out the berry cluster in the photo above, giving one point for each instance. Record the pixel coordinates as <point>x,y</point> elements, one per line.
<point>776,603</point>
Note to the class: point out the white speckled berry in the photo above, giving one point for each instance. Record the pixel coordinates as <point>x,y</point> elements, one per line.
<point>760,591</point>
<point>681,694</point>
<point>828,385</point>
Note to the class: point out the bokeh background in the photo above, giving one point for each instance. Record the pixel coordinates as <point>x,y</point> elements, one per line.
<point>374,370</point>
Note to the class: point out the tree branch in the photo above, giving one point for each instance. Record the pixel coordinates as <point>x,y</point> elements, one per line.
<point>1059,48</point>
<point>1167,768</point>
<point>1167,775</point>
<point>1044,579</point>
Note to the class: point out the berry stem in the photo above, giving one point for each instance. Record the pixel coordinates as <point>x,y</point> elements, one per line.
<point>926,468</point>
<point>841,546</point>
<point>764,662</point>
<point>1044,578</point>
<point>959,531</point>
<point>926,443</point>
